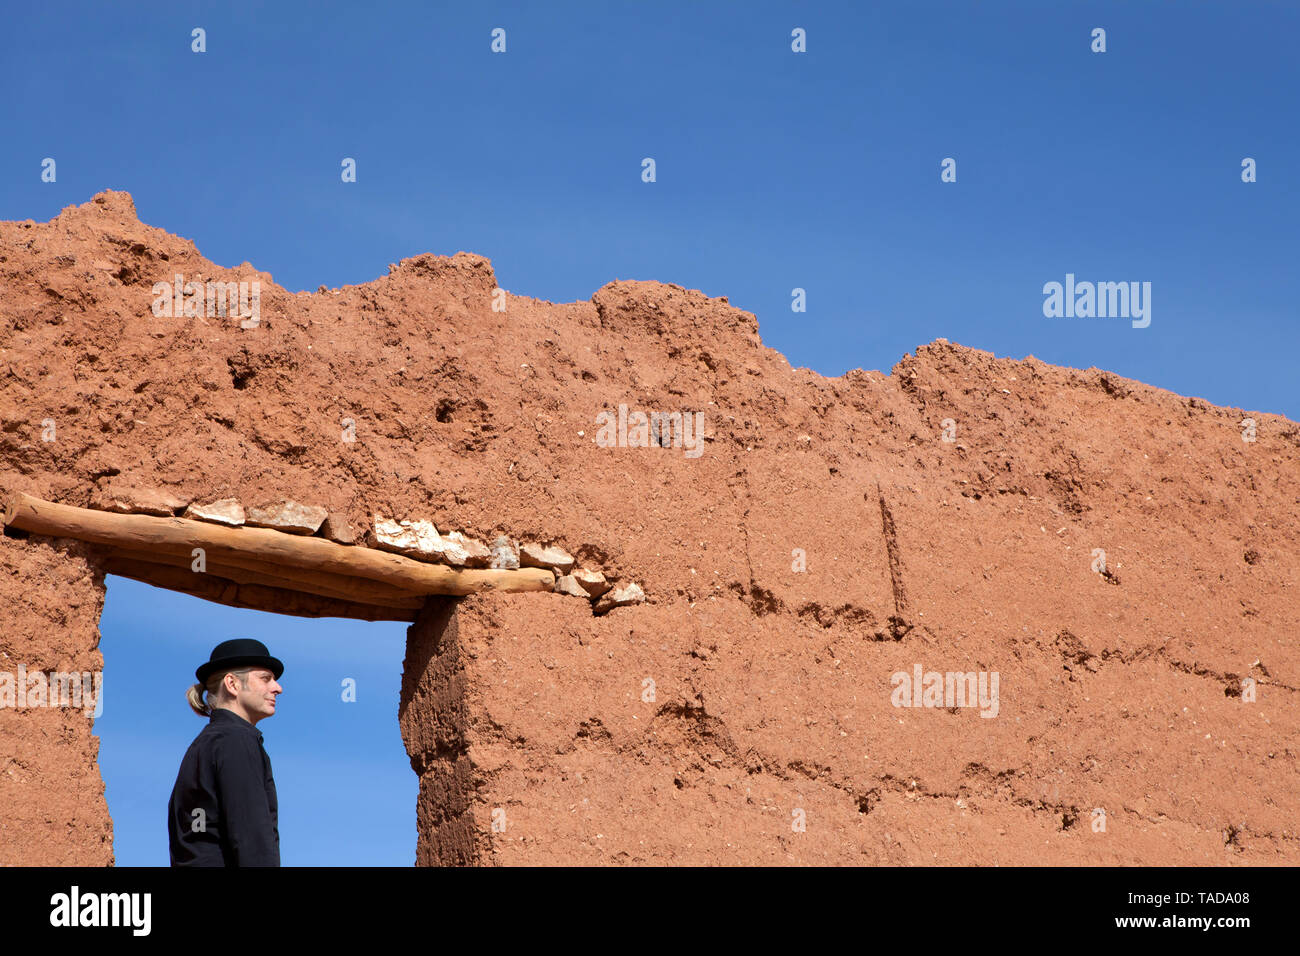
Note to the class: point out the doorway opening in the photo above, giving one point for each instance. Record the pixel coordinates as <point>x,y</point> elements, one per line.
<point>344,781</point>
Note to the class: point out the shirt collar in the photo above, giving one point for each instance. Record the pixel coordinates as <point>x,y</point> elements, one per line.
<point>227,716</point>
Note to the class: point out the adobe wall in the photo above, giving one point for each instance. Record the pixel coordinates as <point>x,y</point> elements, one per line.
<point>528,716</point>
<point>52,807</point>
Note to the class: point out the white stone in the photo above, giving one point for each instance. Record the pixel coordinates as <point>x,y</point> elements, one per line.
<point>139,501</point>
<point>620,597</point>
<point>534,555</point>
<point>227,511</point>
<point>290,516</point>
<point>415,538</point>
<point>475,553</point>
<point>593,582</point>
<point>505,554</point>
<point>565,584</point>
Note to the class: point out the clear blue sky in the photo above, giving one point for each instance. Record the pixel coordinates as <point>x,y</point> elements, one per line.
<point>775,170</point>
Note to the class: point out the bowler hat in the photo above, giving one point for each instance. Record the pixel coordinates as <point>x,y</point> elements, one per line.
<point>239,652</point>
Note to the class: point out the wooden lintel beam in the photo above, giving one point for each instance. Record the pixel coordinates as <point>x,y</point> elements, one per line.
<point>320,583</point>
<point>180,536</point>
<point>256,597</point>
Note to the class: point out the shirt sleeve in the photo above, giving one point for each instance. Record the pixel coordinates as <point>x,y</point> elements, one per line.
<point>244,807</point>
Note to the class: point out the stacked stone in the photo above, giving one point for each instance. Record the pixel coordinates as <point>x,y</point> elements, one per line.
<point>417,539</point>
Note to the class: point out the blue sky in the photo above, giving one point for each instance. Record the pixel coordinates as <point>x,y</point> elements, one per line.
<point>775,170</point>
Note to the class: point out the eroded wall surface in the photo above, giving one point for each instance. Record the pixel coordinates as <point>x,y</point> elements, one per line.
<point>826,538</point>
<point>52,807</point>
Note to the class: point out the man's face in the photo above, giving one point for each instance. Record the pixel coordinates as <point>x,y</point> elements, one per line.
<point>258,698</point>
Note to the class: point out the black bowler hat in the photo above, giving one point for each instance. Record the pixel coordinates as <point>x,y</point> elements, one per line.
<point>240,652</point>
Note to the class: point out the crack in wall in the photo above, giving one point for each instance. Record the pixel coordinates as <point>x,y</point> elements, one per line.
<point>898,625</point>
<point>1074,651</point>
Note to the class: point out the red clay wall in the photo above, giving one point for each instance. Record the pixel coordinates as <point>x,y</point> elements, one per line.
<point>772,686</point>
<point>52,807</point>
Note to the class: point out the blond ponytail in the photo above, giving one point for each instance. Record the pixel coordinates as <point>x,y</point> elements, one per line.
<point>194,693</point>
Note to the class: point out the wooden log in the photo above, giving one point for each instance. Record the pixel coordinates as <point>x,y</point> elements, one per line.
<point>321,583</point>
<point>256,597</point>
<point>149,534</point>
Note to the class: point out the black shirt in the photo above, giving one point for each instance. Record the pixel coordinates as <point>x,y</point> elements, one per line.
<point>227,774</point>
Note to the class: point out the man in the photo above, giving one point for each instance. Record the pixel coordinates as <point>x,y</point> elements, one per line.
<point>223,809</point>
